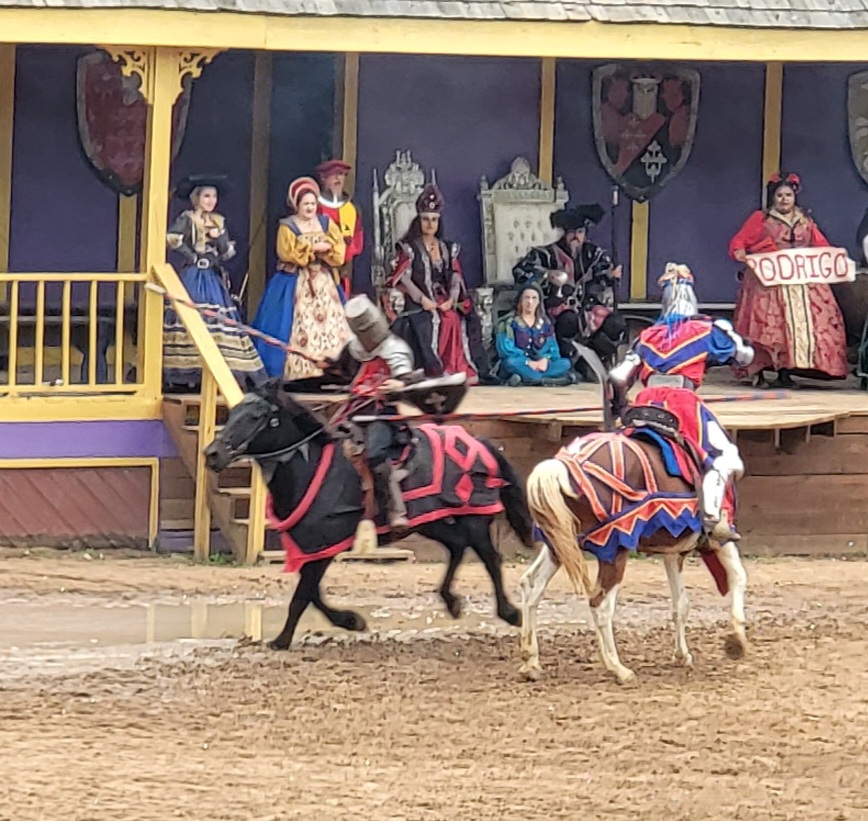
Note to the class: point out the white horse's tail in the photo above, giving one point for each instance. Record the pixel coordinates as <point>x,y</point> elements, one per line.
<point>547,485</point>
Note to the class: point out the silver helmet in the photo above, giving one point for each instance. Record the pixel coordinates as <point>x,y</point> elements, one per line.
<point>679,298</point>
<point>366,321</point>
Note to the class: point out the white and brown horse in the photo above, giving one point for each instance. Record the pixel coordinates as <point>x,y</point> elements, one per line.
<point>612,493</point>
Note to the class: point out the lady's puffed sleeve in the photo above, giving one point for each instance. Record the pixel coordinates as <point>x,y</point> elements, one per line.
<point>180,235</point>
<point>293,249</point>
<point>750,237</point>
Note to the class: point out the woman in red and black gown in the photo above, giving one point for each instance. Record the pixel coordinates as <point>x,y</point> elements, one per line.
<point>795,329</point>
<point>439,321</point>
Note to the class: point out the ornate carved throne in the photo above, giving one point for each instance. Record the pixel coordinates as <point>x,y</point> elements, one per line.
<point>394,209</point>
<point>515,218</point>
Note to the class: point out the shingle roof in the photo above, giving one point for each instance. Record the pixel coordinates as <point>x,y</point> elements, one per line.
<point>805,14</point>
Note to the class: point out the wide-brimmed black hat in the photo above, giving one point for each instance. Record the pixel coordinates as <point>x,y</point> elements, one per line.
<point>578,217</point>
<point>190,183</point>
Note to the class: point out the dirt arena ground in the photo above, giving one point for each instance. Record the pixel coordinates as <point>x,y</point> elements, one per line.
<point>424,717</point>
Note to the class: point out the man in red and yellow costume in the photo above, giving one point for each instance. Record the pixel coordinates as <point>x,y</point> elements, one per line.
<point>338,207</point>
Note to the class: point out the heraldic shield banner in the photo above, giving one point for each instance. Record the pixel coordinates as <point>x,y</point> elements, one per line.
<point>857,120</point>
<point>112,117</point>
<point>644,123</point>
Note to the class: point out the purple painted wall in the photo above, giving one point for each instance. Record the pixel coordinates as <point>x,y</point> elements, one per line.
<point>63,217</point>
<point>217,140</point>
<point>302,128</point>
<point>815,144</point>
<point>693,217</point>
<point>58,440</point>
<point>463,116</point>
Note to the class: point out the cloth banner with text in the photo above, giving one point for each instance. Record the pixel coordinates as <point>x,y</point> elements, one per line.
<point>803,266</point>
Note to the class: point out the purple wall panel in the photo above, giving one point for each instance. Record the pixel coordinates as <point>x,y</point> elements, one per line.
<point>463,116</point>
<point>577,163</point>
<point>693,217</point>
<point>816,145</point>
<point>217,140</point>
<point>302,129</point>
<point>56,440</point>
<point>63,217</point>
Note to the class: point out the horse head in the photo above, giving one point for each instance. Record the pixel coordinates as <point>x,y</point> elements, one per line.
<point>267,422</point>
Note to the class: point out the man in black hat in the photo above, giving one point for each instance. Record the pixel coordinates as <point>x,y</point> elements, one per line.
<point>579,282</point>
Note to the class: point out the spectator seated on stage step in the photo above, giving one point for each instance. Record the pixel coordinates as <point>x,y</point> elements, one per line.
<point>527,347</point>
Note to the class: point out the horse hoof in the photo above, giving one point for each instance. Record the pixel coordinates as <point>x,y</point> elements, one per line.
<point>531,673</point>
<point>355,623</point>
<point>684,660</point>
<point>453,606</point>
<point>735,646</point>
<point>511,615</point>
<point>626,677</point>
<point>278,645</point>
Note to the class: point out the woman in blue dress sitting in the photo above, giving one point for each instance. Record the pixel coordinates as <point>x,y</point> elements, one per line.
<point>527,347</point>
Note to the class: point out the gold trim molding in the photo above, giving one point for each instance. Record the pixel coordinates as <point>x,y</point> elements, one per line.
<point>139,62</point>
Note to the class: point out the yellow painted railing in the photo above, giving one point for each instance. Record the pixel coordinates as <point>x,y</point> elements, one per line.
<point>217,379</point>
<point>68,333</point>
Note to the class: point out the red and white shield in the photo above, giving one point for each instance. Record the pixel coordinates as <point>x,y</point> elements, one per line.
<point>112,117</point>
<point>644,123</point>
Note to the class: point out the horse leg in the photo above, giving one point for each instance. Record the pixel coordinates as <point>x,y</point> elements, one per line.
<point>345,619</point>
<point>736,645</point>
<point>609,578</point>
<point>306,591</point>
<point>483,546</point>
<point>674,564</point>
<point>533,586</point>
<point>452,602</point>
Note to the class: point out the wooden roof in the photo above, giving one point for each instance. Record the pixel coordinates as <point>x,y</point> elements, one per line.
<point>793,14</point>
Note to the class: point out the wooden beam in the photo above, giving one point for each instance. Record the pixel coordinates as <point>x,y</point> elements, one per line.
<point>128,212</point>
<point>772,108</point>
<point>259,160</point>
<point>495,38</point>
<point>639,251</point>
<point>548,66</point>
<point>7,123</point>
<point>350,122</point>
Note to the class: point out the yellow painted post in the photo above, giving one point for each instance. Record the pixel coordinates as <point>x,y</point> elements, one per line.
<point>773,105</point>
<point>13,335</point>
<point>154,506</point>
<point>350,130</point>
<point>256,517</point>
<point>119,333</point>
<point>548,67</point>
<point>128,208</point>
<point>66,335</point>
<point>7,121</point>
<point>161,87</point>
<point>91,337</point>
<point>639,251</point>
<point>39,353</point>
<point>206,431</point>
<point>259,158</point>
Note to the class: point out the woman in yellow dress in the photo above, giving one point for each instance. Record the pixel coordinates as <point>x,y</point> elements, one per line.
<point>303,303</point>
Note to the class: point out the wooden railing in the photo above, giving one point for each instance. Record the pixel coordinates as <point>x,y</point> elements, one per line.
<point>217,379</point>
<point>48,320</point>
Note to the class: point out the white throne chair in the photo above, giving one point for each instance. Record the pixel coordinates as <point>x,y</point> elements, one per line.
<point>515,218</point>
<point>394,208</point>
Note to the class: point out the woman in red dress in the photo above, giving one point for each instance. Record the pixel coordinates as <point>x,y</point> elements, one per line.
<point>795,329</point>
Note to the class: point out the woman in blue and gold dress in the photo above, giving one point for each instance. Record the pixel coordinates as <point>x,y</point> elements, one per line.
<point>199,235</point>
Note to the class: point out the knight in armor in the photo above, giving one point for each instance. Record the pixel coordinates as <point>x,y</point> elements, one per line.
<point>579,282</point>
<point>379,363</point>
<point>670,359</point>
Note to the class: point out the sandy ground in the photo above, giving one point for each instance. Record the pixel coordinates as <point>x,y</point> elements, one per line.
<point>432,722</point>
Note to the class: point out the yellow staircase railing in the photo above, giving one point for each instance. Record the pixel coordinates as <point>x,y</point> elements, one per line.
<point>217,379</point>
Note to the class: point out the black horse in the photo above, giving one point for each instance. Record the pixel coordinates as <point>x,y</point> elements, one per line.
<point>293,446</point>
